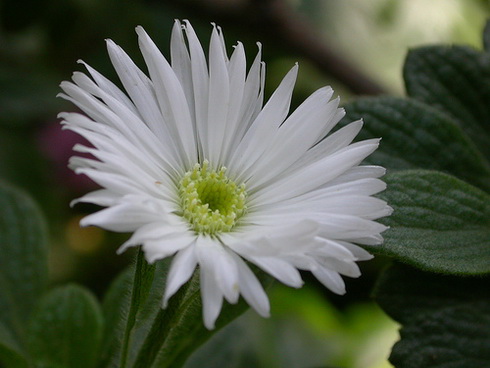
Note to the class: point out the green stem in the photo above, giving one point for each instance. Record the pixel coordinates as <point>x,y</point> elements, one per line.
<point>142,280</point>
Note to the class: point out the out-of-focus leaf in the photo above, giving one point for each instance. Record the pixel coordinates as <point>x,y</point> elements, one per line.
<point>455,80</point>
<point>11,354</point>
<point>224,349</point>
<point>66,329</point>
<point>23,261</point>
<point>439,223</point>
<point>415,135</point>
<point>486,37</point>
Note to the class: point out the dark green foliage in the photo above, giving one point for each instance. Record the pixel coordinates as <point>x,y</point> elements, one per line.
<point>66,329</point>
<point>23,269</point>
<point>454,80</point>
<point>445,319</point>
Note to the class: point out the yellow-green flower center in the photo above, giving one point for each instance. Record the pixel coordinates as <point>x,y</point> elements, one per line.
<point>210,201</point>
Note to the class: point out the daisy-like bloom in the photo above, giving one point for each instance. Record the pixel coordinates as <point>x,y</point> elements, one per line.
<point>198,168</point>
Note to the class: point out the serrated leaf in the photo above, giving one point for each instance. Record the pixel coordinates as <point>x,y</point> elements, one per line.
<point>446,318</point>
<point>415,135</point>
<point>456,80</point>
<point>439,223</point>
<point>23,264</point>
<point>66,329</point>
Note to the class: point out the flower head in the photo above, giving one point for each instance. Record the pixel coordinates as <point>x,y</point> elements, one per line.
<point>193,163</point>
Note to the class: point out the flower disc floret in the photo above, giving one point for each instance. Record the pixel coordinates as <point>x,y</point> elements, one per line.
<point>211,202</point>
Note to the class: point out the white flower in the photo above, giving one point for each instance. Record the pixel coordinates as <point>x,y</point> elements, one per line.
<point>193,163</point>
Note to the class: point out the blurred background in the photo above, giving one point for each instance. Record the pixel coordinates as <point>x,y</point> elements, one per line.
<point>357,46</point>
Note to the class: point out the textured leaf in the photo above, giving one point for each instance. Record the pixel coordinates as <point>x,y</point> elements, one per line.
<point>439,223</point>
<point>66,329</point>
<point>23,261</point>
<point>143,276</point>
<point>115,308</point>
<point>415,135</point>
<point>455,80</point>
<point>446,318</point>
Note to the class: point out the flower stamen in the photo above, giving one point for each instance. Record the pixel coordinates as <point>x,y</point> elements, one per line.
<point>211,202</point>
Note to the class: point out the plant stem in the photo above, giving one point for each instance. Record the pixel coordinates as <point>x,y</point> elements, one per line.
<point>143,277</point>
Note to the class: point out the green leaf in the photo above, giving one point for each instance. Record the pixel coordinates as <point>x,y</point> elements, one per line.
<point>66,329</point>
<point>451,338</point>
<point>23,263</point>
<point>115,307</point>
<point>455,80</point>
<point>142,280</point>
<point>439,223</point>
<point>415,135</point>
<point>11,355</point>
<point>446,319</point>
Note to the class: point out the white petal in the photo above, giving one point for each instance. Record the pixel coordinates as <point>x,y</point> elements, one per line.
<point>251,289</point>
<point>364,187</point>
<point>357,251</point>
<point>253,96</point>
<point>281,270</point>
<point>167,245</point>
<point>141,90</point>
<point>329,145</point>
<point>200,81</point>
<point>181,64</point>
<point>235,119</point>
<point>219,95</point>
<point>260,133</point>
<point>348,228</point>
<point>214,259</point>
<point>171,98</point>
<point>287,146</point>
<point>316,174</point>
<point>212,298</point>
<point>181,270</point>
<point>330,279</point>
<point>275,240</point>
<point>123,217</point>
<point>347,268</point>
<point>109,87</point>
<point>153,231</point>
<point>101,197</point>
